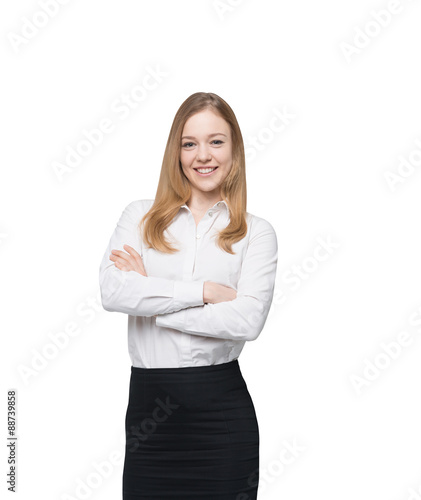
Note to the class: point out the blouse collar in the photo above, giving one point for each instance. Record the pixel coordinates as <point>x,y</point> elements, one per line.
<point>220,204</point>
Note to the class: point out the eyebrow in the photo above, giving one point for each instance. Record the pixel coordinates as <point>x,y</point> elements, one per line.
<point>210,135</point>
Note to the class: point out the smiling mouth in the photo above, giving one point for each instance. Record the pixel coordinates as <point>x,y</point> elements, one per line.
<point>205,170</point>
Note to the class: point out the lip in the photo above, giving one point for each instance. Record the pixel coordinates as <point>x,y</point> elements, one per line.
<point>209,173</point>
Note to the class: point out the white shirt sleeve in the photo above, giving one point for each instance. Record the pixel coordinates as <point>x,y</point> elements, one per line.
<point>132,293</point>
<point>244,317</point>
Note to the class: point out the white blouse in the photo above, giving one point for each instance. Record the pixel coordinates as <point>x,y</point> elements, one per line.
<point>185,331</point>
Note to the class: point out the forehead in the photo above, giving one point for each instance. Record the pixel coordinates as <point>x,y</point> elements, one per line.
<point>206,121</point>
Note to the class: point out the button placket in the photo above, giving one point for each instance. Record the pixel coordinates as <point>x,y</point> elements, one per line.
<point>190,259</point>
<point>188,273</point>
<point>204,226</point>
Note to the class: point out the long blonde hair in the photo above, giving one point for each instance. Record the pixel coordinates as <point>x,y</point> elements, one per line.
<point>174,188</point>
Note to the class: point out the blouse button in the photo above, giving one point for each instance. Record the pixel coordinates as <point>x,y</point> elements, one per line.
<point>210,214</point>
<point>197,236</point>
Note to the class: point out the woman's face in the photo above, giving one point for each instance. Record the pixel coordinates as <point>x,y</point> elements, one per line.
<point>206,142</point>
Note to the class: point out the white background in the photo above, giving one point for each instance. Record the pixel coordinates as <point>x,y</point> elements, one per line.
<point>354,107</point>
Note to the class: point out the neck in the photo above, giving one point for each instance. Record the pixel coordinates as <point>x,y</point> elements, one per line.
<point>202,202</point>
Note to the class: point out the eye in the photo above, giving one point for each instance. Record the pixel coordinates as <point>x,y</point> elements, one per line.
<point>218,140</point>
<point>187,144</point>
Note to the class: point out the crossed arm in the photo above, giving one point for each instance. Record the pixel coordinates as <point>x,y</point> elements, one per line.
<point>244,317</point>
<point>123,286</point>
<point>181,305</point>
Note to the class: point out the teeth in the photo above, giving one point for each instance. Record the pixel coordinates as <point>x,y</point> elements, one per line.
<point>205,170</point>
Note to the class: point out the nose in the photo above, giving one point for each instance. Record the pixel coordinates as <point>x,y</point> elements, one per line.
<point>203,154</point>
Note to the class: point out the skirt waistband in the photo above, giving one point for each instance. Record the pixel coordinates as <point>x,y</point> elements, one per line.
<point>198,370</point>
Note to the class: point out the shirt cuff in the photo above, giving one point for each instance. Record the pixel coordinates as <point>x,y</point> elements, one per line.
<point>188,293</point>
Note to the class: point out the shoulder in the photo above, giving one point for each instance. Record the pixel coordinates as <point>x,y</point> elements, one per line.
<point>258,226</point>
<point>138,208</point>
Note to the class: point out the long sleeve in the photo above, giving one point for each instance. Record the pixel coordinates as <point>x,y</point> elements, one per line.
<point>132,293</point>
<point>244,317</point>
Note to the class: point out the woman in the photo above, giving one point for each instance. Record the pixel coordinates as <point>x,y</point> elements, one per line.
<point>195,274</point>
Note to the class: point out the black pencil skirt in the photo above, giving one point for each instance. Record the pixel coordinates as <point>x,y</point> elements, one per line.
<point>191,433</point>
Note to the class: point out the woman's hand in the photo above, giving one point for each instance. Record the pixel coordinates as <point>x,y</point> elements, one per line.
<point>214,293</point>
<point>128,262</point>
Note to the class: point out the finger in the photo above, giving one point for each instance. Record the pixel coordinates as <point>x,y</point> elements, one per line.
<point>119,252</point>
<point>131,250</point>
<point>121,255</point>
<point>123,266</point>
<point>128,262</point>
<point>135,254</point>
<point>137,257</point>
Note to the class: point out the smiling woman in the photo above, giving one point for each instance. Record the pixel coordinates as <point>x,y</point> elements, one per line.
<point>195,273</point>
<point>209,155</point>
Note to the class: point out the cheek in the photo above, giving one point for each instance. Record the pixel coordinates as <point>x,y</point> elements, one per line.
<point>186,158</point>
<point>225,157</point>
